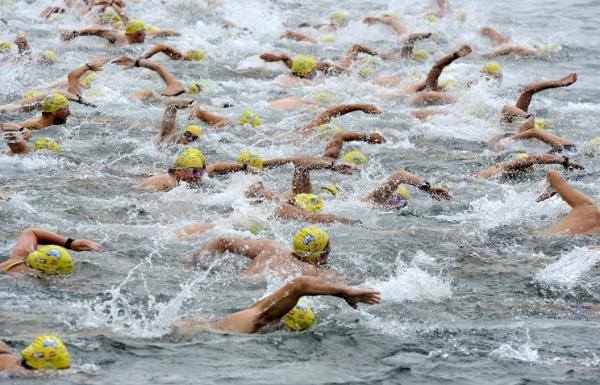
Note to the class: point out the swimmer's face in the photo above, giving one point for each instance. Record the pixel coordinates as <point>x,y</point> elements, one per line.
<point>188,175</point>
<point>60,116</point>
<point>187,138</point>
<point>397,202</point>
<point>138,37</point>
<point>323,258</point>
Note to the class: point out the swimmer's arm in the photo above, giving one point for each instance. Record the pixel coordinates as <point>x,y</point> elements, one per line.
<point>173,85</point>
<point>22,43</point>
<point>409,44</point>
<point>495,36</point>
<point>546,137</point>
<point>330,69</point>
<point>520,51</point>
<point>271,57</point>
<point>217,121</point>
<point>557,159</point>
<point>16,142</point>
<point>168,125</point>
<point>510,112</point>
<point>330,113</point>
<point>334,146</point>
<point>510,165</point>
<point>167,50</point>
<point>497,138</point>
<point>297,36</point>
<point>225,168</point>
<point>189,231</point>
<point>424,114</point>
<point>381,194</point>
<point>312,163</point>
<point>442,6</point>
<point>49,11</point>
<point>76,74</point>
<point>568,193</point>
<point>398,27</point>
<point>249,248</point>
<point>352,55</point>
<point>111,36</point>
<point>435,71</point>
<point>30,238</point>
<point>288,211</point>
<point>163,33</point>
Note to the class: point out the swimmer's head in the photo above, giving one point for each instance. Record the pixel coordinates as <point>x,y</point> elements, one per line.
<point>31,94</point>
<point>196,87</point>
<point>190,134</point>
<point>338,18</point>
<point>449,84</point>
<point>492,68</point>
<point>303,66</point>
<point>51,260</point>
<point>309,202</point>
<point>324,97</point>
<point>328,130</point>
<point>195,54</point>
<point>300,318</point>
<point>355,157</point>
<point>56,105</point>
<point>249,117</point>
<point>548,48</point>
<point>46,352</point>
<point>48,57</point>
<point>135,31</point>
<point>311,244</point>
<point>541,124</point>
<point>330,189</point>
<point>189,166</point>
<point>400,197</point>
<point>5,47</point>
<point>46,144</point>
<point>366,72</point>
<point>420,55</point>
<point>88,79</point>
<point>431,18</point>
<point>521,155</point>
<point>251,158</point>
<point>328,39</point>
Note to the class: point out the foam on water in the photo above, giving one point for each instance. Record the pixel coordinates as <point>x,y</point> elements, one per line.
<point>569,270</point>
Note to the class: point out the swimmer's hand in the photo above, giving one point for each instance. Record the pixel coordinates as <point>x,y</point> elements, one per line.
<point>464,50</point>
<point>354,296</point>
<point>370,20</point>
<point>376,139</point>
<point>69,35</point>
<point>344,168</point>
<point>49,11</point>
<point>439,193</point>
<point>547,194</point>
<point>98,63</point>
<point>124,61</point>
<point>370,109</point>
<point>85,245</point>
<point>4,197</point>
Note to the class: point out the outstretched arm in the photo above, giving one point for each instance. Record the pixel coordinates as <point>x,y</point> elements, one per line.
<point>271,57</point>
<point>30,238</point>
<point>398,27</point>
<point>109,35</point>
<point>382,194</point>
<point>409,43</point>
<point>163,33</point>
<point>511,112</point>
<point>217,121</point>
<point>568,193</point>
<point>532,89</point>
<point>330,113</point>
<point>352,55</point>
<point>273,307</point>
<point>16,138</point>
<point>494,35</point>
<point>174,87</point>
<point>334,146</point>
<point>166,49</point>
<point>519,164</point>
<point>246,247</point>
<point>76,74</point>
<point>431,82</point>
<point>297,36</point>
<point>546,137</point>
<point>519,51</point>
<point>312,163</point>
<point>168,125</point>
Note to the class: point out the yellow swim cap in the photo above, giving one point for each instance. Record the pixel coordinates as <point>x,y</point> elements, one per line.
<point>401,196</point>
<point>328,129</point>
<point>309,202</point>
<point>46,352</point>
<point>300,318</point>
<point>448,84</point>
<point>196,86</point>
<point>88,79</point>
<point>110,16</point>
<point>54,102</point>
<point>366,72</point>
<point>251,158</point>
<point>51,260</point>
<point>5,46</point>
<point>328,39</point>
<point>195,54</point>
<point>190,158</point>
<point>134,26</point>
<point>522,155</point>
<point>193,129</point>
<point>542,124</point>
<point>250,118</point>
<point>46,144</point>
<point>30,94</point>
<point>492,68</point>
<point>355,157</point>
<point>303,66</point>
<point>310,243</point>
<point>420,55</point>
<point>324,97</point>
<point>431,18</point>
<point>331,189</point>
<point>338,17</point>
<point>50,56</point>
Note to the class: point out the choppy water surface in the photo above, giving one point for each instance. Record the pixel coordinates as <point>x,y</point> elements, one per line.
<point>470,294</point>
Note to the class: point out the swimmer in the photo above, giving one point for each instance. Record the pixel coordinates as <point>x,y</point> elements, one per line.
<point>311,248</point>
<point>530,90</point>
<point>47,57</point>
<point>55,110</point>
<point>389,20</point>
<point>50,259</point>
<point>423,114</point>
<point>45,352</point>
<point>528,131</point>
<point>172,53</point>
<point>496,37</point>
<point>135,33</point>
<point>525,163</point>
<point>408,48</point>
<point>174,86</point>
<point>584,218</point>
<point>339,110</point>
<point>168,126</point>
<point>297,36</point>
<point>189,168</point>
<point>275,310</point>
